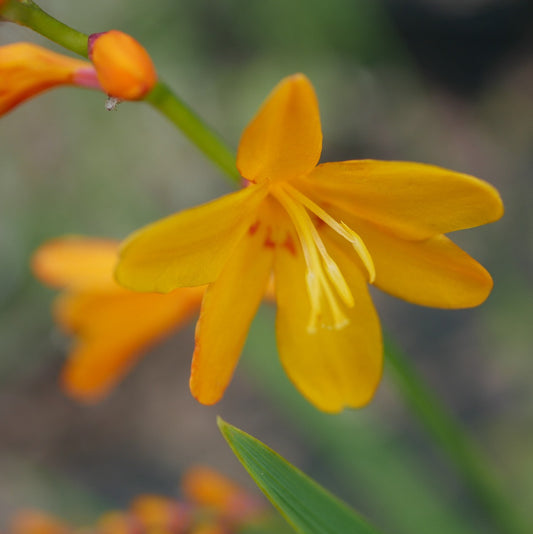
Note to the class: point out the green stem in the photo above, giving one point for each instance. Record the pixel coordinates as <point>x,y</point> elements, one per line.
<point>172,107</point>
<point>453,439</point>
<point>161,97</point>
<point>29,14</point>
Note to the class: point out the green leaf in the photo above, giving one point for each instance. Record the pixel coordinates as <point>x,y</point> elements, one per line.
<point>307,506</point>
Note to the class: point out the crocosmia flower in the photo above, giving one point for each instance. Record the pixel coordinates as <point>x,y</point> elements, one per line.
<point>112,326</point>
<point>124,68</point>
<point>325,232</point>
<point>27,70</point>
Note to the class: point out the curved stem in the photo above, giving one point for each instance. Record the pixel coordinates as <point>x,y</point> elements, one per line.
<point>453,439</point>
<point>161,97</point>
<point>27,13</point>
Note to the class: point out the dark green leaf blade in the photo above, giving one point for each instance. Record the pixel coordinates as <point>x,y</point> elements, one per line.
<point>307,506</point>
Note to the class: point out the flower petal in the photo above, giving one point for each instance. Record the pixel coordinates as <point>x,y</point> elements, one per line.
<point>190,247</point>
<point>412,200</point>
<point>434,272</point>
<point>76,262</point>
<point>228,308</point>
<point>333,368</point>
<point>27,70</point>
<point>284,139</point>
<point>113,329</point>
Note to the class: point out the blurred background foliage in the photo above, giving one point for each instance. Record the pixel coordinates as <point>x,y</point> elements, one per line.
<point>437,81</point>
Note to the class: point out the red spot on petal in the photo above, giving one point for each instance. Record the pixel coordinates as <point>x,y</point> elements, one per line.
<point>269,242</point>
<point>289,245</point>
<point>253,229</point>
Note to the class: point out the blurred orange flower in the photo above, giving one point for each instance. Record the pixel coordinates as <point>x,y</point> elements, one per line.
<point>207,487</point>
<point>154,514</point>
<point>162,513</point>
<point>112,325</point>
<point>325,231</point>
<point>35,522</point>
<point>27,70</point>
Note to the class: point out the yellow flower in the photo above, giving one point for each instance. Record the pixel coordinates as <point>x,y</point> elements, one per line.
<point>112,325</point>
<point>325,231</point>
<point>27,70</point>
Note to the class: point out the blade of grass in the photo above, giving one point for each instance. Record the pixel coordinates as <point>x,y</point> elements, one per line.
<point>307,506</point>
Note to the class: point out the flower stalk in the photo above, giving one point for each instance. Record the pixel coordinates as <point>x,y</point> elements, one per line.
<point>445,430</point>
<point>28,13</point>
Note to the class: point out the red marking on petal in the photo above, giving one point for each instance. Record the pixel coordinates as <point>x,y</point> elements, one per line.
<point>289,245</point>
<point>269,242</point>
<point>253,229</point>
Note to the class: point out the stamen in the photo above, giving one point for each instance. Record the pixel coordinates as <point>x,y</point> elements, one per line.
<point>318,281</point>
<point>341,228</point>
<point>332,269</point>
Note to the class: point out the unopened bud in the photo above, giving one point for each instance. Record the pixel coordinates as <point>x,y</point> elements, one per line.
<point>124,68</point>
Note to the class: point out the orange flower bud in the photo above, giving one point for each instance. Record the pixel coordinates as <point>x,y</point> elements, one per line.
<point>27,70</point>
<point>124,68</point>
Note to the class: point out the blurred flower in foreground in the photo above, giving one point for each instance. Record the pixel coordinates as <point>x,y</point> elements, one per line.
<point>120,67</point>
<point>325,231</point>
<point>35,522</point>
<point>231,510</point>
<point>112,325</point>
<point>27,70</point>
